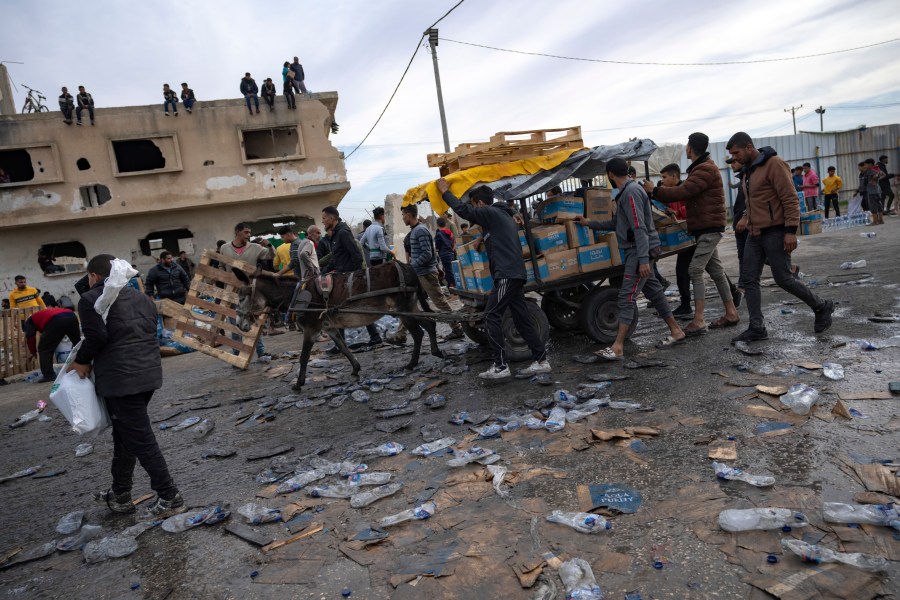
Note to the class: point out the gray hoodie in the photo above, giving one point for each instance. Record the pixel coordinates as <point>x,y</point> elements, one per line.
<point>633,223</point>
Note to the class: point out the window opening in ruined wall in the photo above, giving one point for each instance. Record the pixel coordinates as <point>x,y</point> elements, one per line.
<point>95,195</point>
<point>61,258</point>
<point>16,166</point>
<point>276,143</point>
<point>133,156</point>
<point>173,240</point>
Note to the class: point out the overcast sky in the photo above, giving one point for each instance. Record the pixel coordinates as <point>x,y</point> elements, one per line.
<point>124,51</point>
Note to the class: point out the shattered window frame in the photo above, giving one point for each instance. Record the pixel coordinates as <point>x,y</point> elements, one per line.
<point>40,177</point>
<point>173,163</point>
<point>300,153</point>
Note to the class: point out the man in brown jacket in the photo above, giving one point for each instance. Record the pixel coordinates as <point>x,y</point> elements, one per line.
<point>704,197</point>
<point>772,218</point>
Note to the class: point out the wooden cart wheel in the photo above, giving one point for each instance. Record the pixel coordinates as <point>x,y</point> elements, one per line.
<point>599,315</point>
<point>515,347</point>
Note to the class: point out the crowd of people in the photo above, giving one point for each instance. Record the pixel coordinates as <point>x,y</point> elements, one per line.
<point>874,193</point>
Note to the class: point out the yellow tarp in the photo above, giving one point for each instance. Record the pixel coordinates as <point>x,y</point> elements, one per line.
<point>462,181</point>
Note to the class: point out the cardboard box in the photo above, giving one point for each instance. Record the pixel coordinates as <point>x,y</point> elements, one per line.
<point>578,235</point>
<point>558,265</point>
<point>475,231</point>
<point>526,251</point>
<point>457,274</point>
<point>594,257</point>
<point>529,272</point>
<point>813,215</point>
<point>561,208</point>
<point>484,280</point>
<point>549,239</point>
<point>463,257</point>
<point>811,227</point>
<point>598,204</point>
<point>674,237</point>
<point>660,218</point>
<point>479,260</point>
<point>469,281</point>
<point>609,238</point>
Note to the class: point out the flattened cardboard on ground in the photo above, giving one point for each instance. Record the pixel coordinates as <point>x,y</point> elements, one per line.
<point>841,410</point>
<point>873,395</point>
<point>248,535</point>
<point>878,478</point>
<point>874,498</point>
<point>722,450</point>
<point>296,572</point>
<point>528,570</point>
<point>692,503</point>
<point>772,390</point>
<point>791,579</point>
<point>616,497</point>
<point>262,453</point>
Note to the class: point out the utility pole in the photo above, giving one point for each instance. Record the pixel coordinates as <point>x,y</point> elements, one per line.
<point>432,43</point>
<point>793,110</point>
<point>821,112</point>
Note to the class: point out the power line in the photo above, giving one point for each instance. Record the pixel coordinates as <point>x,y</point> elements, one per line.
<point>402,77</point>
<point>670,64</point>
<point>861,107</point>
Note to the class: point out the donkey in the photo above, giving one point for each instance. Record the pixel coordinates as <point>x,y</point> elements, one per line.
<point>391,286</point>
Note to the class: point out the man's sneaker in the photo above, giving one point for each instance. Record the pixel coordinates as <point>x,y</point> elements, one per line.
<point>751,335</point>
<point>536,368</point>
<point>118,503</point>
<point>496,372</point>
<point>823,316</point>
<point>163,509</point>
<point>684,310</point>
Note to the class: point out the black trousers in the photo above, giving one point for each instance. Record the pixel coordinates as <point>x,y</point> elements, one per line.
<point>507,293</point>
<point>60,326</point>
<point>832,199</point>
<point>133,441</point>
<point>887,196</point>
<point>270,99</point>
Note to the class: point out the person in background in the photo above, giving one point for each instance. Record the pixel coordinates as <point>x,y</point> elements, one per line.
<point>887,194</point>
<point>445,245</point>
<point>299,77</point>
<point>169,97</point>
<point>302,259</point>
<point>187,97</point>
<point>451,224</point>
<point>46,263</point>
<point>54,324</point>
<point>831,186</point>
<point>288,87</point>
<point>186,264</point>
<point>871,178</point>
<point>740,237</point>
<point>373,240</point>
<point>249,90</point>
<point>24,296</point>
<point>810,187</point>
<point>362,232</point>
<point>123,353</point>
<point>798,179</point>
<point>167,280</point>
<point>267,263</point>
<point>66,105</point>
<point>84,101</point>
<point>50,300</point>
<point>269,92</point>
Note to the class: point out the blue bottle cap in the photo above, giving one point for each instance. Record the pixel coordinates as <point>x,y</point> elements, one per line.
<point>135,586</point>
<point>786,528</point>
<point>346,592</point>
<point>658,564</point>
<point>771,559</point>
<point>253,574</point>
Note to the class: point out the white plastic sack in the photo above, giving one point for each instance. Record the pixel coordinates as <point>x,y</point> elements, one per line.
<point>77,399</point>
<point>119,274</point>
<point>854,206</point>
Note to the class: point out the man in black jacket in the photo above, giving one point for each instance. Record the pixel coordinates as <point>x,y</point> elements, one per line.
<point>501,240</point>
<point>123,353</point>
<point>249,90</point>
<point>167,280</point>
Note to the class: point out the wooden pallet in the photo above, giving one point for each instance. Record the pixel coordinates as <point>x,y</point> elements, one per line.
<point>507,146</point>
<point>15,358</point>
<point>211,334</point>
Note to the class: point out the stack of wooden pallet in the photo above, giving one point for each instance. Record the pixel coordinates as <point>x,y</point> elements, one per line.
<point>15,358</point>
<point>507,146</point>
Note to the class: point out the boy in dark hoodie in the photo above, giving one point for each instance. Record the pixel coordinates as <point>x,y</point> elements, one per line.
<point>444,243</point>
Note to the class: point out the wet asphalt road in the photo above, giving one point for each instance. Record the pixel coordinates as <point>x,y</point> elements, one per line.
<point>479,532</point>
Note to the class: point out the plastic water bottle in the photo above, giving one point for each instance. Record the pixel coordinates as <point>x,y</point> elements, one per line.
<point>557,419</point>
<point>868,234</point>
<point>868,217</point>
<point>340,490</point>
<point>70,523</point>
<point>360,396</point>
<point>564,398</point>
<point>833,371</point>
<point>376,478</point>
<point>114,546</point>
<point>87,534</point>
<point>373,495</point>
<point>204,428</point>
<point>577,576</point>
<point>139,528</point>
<point>29,416</point>
<point>298,481</point>
<point>723,471</point>
<point>436,446</point>
<point>533,423</point>
<point>858,264</point>
<point>419,513</point>
<point>874,514</point>
<point>816,554</point>
<point>483,456</point>
<point>626,406</point>
<point>749,519</point>
<point>800,398</point>
<point>256,514</point>
<point>185,521</point>
<point>583,522</point>
<point>386,449</point>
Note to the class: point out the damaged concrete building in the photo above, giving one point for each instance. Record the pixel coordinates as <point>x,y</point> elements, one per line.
<point>139,182</point>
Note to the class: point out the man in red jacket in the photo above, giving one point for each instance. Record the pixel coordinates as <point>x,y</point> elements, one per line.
<point>54,324</point>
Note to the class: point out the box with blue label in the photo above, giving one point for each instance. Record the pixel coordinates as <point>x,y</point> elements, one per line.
<point>549,239</point>
<point>463,256</point>
<point>457,274</point>
<point>674,237</point>
<point>479,260</point>
<point>529,272</point>
<point>578,235</point>
<point>593,258</point>
<point>484,280</point>
<point>609,238</point>
<point>561,208</point>
<point>558,265</point>
<point>526,251</point>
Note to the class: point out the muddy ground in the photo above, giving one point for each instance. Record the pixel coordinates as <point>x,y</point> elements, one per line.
<point>471,546</point>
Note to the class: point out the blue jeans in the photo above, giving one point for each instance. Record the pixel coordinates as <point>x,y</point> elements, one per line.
<point>174,104</point>
<point>188,103</point>
<point>260,346</point>
<point>255,99</point>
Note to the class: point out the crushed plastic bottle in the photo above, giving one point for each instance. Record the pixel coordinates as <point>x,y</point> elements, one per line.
<point>483,456</point>
<point>626,406</point>
<point>418,513</point>
<point>83,450</point>
<point>185,521</point>
<point>359,396</point>
<point>436,446</point>
<point>593,388</point>
<point>114,546</point>
<point>386,449</point>
<point>487,431</point>
<point>868,234</point>
<point>373,495</point>
<point>873,514</point>
<point>204,428</point>
<point>88,533</point>
<point>31,415</point>
<point>577,576</point>
<point>416,391</point>
<point>459,417</point>
<point>139,528</point>
<point>857,264</point>
<point>565,399</point>
<point>298,481</point>
<point>375,478</point>
<point>723,471</point>
<point>833,371</point>
<point>332,468</point>
<point>533,423</point>
<point>339,490</point>
<point>800,398</point>
<point>23,473</point>
<point>557,419</point>
<point>498,473</point>
<point>749,519</point>
<point>256,514</point>
<point>815,554</point>
<point>580,521</point>
<point>70,523</point>
<point>584,410</point>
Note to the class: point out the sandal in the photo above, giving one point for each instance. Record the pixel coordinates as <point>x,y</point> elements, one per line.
<point>694,331</point>
<point>608,355</point>
<point>669,341</point>
<point>723,322</point>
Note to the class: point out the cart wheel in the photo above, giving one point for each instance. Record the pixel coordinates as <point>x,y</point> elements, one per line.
<point>599,315</point>
<point>560,313</point>
<point>515,347</point>
<point>476,332</point>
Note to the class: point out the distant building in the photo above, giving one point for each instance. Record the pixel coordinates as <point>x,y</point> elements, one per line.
<point>139,182</point>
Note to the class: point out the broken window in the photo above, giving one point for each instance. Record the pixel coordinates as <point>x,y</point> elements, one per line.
<point>62,257</point>
<point>275,143</point>
<point>16,164</point>
<point>82,164</point>
<point>94,195</point>
<point>138,155</point>
<point>173,240</point>
<point>32,164</point>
